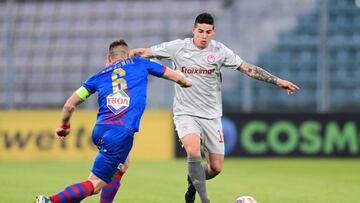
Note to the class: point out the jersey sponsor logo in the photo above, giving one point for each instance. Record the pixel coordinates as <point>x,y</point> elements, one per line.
<point>197,71</point>
<point>211,59</point>
<point>118,101</point>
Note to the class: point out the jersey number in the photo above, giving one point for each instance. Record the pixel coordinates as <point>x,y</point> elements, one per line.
<point>118,82</point>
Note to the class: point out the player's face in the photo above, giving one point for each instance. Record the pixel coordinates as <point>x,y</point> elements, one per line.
<point>203,34</point>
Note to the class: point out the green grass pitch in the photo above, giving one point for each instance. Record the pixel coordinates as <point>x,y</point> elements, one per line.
<point>268,180</point>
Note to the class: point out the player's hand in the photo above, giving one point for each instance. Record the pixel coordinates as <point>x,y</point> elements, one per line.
<point>136,52</point>
<point>62,131</point>
<point>287,85</point>
<point>188,83</point>
<point>183,80</point>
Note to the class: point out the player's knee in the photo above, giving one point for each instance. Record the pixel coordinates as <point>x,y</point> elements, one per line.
<point>191,143</point>
<point>97,188</point>
<point>216,169</point>
<point>97,183</point>
<point>96,191</point>
<point>124,167</point>
<point>193,152</point>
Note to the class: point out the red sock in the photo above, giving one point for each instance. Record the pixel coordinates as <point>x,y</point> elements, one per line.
<point>109,191</point>
<point>74,193</point>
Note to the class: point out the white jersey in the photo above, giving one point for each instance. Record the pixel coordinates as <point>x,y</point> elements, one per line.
<point>202,66</point>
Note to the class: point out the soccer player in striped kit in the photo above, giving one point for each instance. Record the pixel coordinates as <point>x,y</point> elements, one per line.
<point>198,110</point>
<point>122,89</point>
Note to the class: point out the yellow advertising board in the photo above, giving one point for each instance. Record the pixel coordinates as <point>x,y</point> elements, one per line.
<point>29,135</point>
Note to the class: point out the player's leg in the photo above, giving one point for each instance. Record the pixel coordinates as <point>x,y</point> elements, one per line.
<point>213,143</point>
<point>114,148</point>
<point>214,150</point>
<point>73,193</point>
<point>214,165</point>
<point>189,134</point>
<point>109,191</point>
<point>103,170</point>
<point>216,161</point>
<point>191,143</point>
<point>190,192</point>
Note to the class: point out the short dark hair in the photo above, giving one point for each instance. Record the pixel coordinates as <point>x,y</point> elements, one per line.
<point>204,18</point>
<point>116,43</point>
<point>118,49</point>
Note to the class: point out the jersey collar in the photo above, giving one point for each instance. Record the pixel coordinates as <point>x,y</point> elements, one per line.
<point>195,47</point>
<point>117,61</point>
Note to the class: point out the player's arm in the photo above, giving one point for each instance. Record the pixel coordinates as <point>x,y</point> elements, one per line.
<point>143,52</point>
<point>71,103</point>
<point>261,74</point>
<point>177,77</point>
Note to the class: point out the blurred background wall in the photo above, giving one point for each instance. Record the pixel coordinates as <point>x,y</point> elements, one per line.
<point>48,48</point>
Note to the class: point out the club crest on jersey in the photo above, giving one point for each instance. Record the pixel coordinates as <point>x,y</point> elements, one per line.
<point>211,58</point>
<point>118,102</point>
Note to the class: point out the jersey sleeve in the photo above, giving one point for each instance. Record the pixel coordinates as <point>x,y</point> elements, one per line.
<point>155,69</point>
<point>231,60</point>
<point>166,50</point>
<point>90,84</point>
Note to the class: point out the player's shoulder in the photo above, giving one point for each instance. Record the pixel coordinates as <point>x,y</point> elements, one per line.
<point>95,76</point>
<point>169,43</point>
<point>188,42</point>
<point>176,42</point>
<point>217,45</point>
<point>142,60</point>
<point>138,59</point>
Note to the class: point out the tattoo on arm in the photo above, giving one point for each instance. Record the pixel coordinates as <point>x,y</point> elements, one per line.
<point>257,73</point>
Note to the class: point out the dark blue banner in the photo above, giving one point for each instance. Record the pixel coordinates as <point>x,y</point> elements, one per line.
<point>290,135</point>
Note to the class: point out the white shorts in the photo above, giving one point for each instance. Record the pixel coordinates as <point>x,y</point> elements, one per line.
<point>209,130</point>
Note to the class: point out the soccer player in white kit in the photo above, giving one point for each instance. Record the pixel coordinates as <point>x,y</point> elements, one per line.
<point>198,110</point>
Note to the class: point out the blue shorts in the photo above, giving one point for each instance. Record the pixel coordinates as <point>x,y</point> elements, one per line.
<point>114,143</point>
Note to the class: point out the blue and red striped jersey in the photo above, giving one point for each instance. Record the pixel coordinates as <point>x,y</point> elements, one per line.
<point>122,89</point>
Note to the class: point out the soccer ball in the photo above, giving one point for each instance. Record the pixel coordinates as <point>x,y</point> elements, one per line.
<point>245,199</point>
